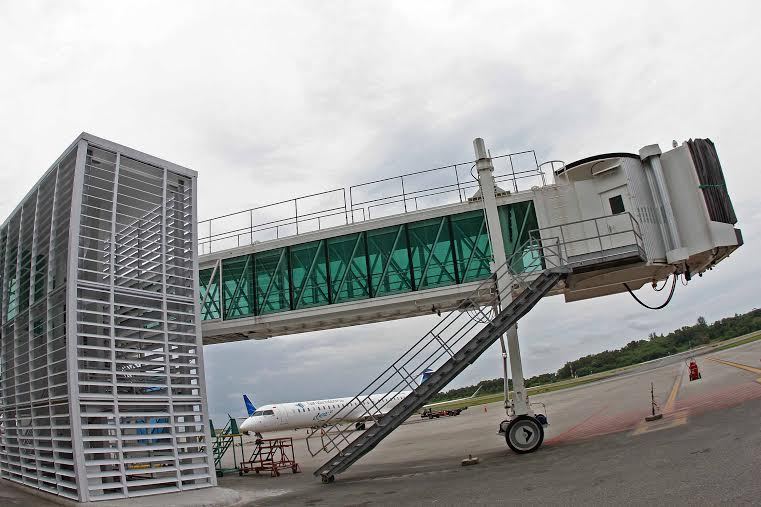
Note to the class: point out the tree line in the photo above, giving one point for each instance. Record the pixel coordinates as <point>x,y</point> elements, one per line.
<point>634,352</point>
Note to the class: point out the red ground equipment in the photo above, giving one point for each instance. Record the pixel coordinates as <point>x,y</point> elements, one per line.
<point>271,455</point>
<point>694,371</point>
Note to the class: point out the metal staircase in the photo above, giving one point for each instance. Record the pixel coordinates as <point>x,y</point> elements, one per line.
<point>222,442</point>
<point>448,348</point>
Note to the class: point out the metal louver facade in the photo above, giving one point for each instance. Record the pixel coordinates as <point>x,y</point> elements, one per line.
<point>101,363</point>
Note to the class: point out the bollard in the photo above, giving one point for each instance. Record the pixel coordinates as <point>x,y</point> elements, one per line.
<point>653,405</point>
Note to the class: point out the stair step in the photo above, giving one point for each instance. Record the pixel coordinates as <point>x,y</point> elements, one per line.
<point>530,295</point>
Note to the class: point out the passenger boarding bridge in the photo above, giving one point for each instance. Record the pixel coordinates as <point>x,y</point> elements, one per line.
<point>265,274</point>
<point>598,226</point>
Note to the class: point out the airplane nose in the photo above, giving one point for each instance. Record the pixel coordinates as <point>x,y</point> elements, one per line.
<point>247,426</point>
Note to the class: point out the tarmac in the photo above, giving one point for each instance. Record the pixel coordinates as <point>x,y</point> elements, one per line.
<point>598,450</point>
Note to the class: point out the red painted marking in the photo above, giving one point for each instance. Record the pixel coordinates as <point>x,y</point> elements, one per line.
<point>720,398</point>
<point>598,425</point>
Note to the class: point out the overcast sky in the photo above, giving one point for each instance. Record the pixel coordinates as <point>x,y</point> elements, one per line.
<point>272,101</point>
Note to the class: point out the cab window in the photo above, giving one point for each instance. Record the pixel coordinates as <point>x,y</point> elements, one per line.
<point>616,204</point>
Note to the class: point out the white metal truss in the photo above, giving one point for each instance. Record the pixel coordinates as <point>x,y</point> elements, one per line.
<point>101,363</point>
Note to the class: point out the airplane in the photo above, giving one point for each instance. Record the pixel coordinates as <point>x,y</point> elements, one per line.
<point>309,414</point>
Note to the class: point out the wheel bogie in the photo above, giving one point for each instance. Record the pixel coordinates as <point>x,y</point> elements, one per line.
<point>524,434</point>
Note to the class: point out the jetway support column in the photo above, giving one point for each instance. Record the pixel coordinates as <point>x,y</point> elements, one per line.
<point>651,158</point>
<point>519,404</point>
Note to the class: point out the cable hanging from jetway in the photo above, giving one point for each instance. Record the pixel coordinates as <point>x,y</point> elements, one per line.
<point>665,303</point>
<point>655,286</point>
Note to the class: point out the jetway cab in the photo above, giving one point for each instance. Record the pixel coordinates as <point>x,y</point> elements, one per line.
<point>684,225</point>
<point>678,198</point>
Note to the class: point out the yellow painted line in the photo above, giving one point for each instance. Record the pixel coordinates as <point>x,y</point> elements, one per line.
<point>740,366</point>
<point>737,365</point>
<point>672,395</point>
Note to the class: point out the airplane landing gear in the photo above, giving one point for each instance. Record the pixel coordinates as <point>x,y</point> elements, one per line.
<point>524,434</point>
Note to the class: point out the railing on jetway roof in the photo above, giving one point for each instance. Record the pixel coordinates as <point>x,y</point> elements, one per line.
<point>387,196</point>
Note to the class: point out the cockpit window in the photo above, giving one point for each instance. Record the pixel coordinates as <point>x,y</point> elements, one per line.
<point>263,412</point>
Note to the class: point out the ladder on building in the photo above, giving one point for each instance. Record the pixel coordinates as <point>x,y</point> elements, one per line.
<point>448,348</point>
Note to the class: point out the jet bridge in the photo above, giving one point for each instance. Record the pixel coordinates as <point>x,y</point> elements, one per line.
<point>419,243</point>
<point>598,226</point>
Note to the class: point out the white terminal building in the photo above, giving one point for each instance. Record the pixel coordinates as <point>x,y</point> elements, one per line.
<point>102,372</point>
<point>110,287</point>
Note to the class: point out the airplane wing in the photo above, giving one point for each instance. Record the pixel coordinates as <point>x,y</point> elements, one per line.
<point>451,402</point>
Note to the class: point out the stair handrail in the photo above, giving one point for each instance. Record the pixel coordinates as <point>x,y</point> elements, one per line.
<point>469,352</point>
<point>530,246</point>
<point>546,252</point>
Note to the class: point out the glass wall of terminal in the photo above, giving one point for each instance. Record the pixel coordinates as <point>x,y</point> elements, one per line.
<point>404,258</point>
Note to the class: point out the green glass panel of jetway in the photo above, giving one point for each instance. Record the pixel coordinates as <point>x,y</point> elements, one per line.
<point>309,274</point>
<point>389,261</point>
<point>211,306</point>
<point>472,246</point>
<point>238,287</point>
<point>272,282</point>
<point>517,220</point>
<point>432,255</point>
<point>348,268</point>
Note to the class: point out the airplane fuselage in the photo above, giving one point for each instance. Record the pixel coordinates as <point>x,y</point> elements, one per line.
<point>308,414</point>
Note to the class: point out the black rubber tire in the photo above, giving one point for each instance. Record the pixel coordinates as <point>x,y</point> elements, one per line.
<point>327,479</point>
<point>527,427</point>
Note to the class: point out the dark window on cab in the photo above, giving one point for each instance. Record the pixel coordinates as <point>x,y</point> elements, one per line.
<point>616,204</point>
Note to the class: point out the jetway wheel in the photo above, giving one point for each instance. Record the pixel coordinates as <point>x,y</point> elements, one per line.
<point>524,434</point>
